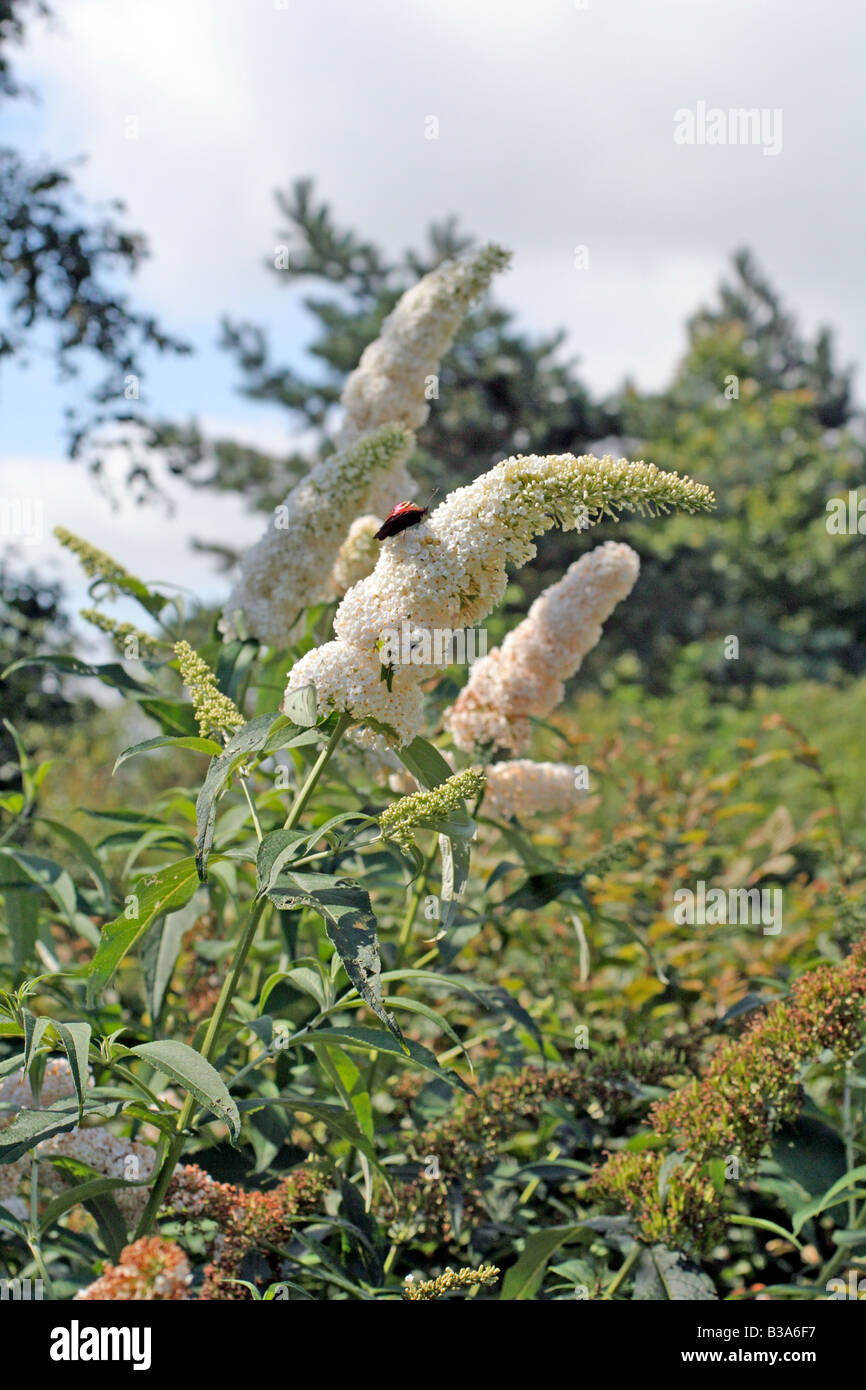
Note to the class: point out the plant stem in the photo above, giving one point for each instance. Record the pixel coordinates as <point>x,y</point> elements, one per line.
<point>414,903</point>
<point>209,1045</point>
<point>256,824</point>
<point>227,994</point>
<point>624,1270</point>
<point>316,771</point>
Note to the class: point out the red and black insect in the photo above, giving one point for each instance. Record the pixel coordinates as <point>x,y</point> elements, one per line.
<point>401,517</point>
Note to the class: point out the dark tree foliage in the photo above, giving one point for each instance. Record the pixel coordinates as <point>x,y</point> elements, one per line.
<point>766,417</point>
<point>500,391</point>
<point>61,262</point>
<point>32,621</point>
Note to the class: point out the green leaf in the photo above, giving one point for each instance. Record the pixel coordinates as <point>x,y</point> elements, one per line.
<point>30,1127</point>
<point>669,1274</point>
<point>430,769</point>
<point>22,924</point>
<point>198,745</point>
<point>82,849</point>
<point>761,1224</point>
<point>83,1192</point>
<point>163,890</point>
<point>75,1038</point>
<point>425,763</point>
<point>524,1278</point>
<point>335,1117</point>
<point>350,923</point>
<point>300,977</point>
<point>539,889</point>
<point>277,850</point>
<point>50,877</point>
<point>162,947</point>
<point>811,1152</point>
<point>250,739</point>
<point>34,1030</point>
<point>172,716</point>
<point>375,1040</point>
<point>190,1070</point>
<point>112,1227</point>
<point>112,674</point>
<point>829,1198</point>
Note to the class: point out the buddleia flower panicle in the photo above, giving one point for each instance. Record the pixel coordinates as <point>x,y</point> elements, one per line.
<point>390,381</point>
<point>449,1281</point>
<point>124,633</point>
<point>16,1094</point>
<point>449,572</point>
<point>525,788</point>
<point>402,817</point>
<point>393,377</point>
<point>214,711</point>
<point>289,568</point>
<point>151,1269</point>
<point>525,677</point>
<point>97,564</point>
<point>751,1087</point>
<point>358,553</point>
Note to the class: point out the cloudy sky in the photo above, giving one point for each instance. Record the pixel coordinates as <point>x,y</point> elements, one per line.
<point>556,124</point>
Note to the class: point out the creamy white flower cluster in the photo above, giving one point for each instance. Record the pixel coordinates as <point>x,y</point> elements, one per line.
<point>107,1153</point>
<point>290,567</point>
<point>358,553</point>
<point>449,571</point>
<point>390,381</point>
<point>16,1094</point>
<point>398,376</point>
<point>111,1157</point>
<point>525,676</point>
<point>523,788</point>
<point>519,787</point>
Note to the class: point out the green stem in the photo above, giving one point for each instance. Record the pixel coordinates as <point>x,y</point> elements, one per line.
<point>208,1048</point>
<point>316,771</point>
<point>622,1273</point>
<point>227,994</point>
<point>414,903</point>
<point>256,824</point>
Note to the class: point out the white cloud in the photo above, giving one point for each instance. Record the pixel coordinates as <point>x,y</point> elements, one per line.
<point>148,542</point>
<point>555,129</point>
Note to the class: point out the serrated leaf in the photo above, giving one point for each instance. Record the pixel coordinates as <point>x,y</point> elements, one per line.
<point>190,1070</point>
<point>158,892</point>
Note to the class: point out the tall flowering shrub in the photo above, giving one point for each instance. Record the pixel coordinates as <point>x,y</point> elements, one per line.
<point>233,1021</point>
